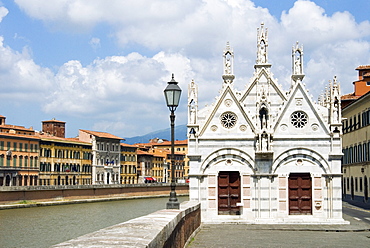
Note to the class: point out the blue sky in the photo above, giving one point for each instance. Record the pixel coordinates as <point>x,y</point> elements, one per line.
<point>103,67</point>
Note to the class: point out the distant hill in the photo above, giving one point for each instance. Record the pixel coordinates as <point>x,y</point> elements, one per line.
<point>180,134</point>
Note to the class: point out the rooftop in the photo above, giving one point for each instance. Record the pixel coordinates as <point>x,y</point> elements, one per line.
<point>102,134</point>
<point>363,67</point>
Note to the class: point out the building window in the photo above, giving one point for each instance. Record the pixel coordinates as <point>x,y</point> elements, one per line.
<point>356,184</point>
<point>360,184</point>
<point>360,158</point>
<point>364,152</point>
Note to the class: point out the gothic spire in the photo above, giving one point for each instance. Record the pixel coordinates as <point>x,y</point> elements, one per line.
<point>228,58</point>
<point>262,44</point>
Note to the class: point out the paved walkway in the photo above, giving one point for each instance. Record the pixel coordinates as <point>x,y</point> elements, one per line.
<point>356,234</point>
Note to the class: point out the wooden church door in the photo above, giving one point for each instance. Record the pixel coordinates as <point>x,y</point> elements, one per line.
<point>228,192</point>
<point>300,193</point>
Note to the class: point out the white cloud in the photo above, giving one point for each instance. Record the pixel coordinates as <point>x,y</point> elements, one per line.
<point>118,88</point>
<point>20,77</point>
<point>95,43</point>
<point>3,12</point>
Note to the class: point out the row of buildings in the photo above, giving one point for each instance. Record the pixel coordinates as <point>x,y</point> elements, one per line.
<point>29,157</point>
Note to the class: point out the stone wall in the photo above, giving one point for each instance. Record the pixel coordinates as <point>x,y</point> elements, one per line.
<point>73,192</point>
<point>165,228</point>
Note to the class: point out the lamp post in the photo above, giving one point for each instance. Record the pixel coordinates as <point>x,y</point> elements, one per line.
<point>172,94</point>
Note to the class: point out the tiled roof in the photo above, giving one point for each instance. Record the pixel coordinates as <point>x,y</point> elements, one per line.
<point>141,152</point>
<point>128,145</point>
<point>363,67</point>
<point>49,137</point>
<point>16,127</point>
<point>54,120</point>
<point>164,143</point>
<point>19,135</point>
<point>350,96</point>
<point>102,134</point>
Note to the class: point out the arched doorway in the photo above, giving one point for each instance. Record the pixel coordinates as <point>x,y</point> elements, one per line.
<point>7,180</point>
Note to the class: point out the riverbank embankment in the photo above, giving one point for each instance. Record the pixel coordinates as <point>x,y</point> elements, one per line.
<point>36,196</point>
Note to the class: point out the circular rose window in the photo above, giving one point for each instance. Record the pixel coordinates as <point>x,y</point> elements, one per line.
<point>299,119</point>
<point>228,119</point>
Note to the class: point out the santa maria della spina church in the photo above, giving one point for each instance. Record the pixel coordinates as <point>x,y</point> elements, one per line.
<point>265,155</point>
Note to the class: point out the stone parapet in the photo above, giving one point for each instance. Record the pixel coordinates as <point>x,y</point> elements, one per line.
<point>165,228</point>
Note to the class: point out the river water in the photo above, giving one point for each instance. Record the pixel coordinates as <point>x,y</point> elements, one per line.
<point>46,226</point>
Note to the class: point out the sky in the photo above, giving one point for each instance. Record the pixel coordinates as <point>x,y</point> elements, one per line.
<point>103,65</point>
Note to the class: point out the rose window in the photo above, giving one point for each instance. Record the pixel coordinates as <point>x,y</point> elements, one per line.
<point>299,119</point>
<point>228,119</point>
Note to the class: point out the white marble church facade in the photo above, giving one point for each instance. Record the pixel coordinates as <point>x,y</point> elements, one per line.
<point>264,155</point>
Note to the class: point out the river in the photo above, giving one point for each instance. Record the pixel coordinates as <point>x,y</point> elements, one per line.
<point>46,226</point>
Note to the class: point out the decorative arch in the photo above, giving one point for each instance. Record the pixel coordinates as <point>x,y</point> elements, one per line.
<point>227,153</point>
<point>301,153</point>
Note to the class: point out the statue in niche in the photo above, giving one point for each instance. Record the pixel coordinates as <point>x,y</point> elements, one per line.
<point>297,60</point>
<point>228,66</point>
<point>264,142</point>
<point>335,110</point>
<point>263,118</point>
<point>192,114</point>
<point>297,66</point>
<point>262,54</point>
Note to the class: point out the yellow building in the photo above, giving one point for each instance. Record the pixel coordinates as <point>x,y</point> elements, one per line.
<point>356,150</point>
<point>64,161</point>
<point>19,155</point>
<point>159,158</point>
<point>128,164</point>
<point>356,140</point>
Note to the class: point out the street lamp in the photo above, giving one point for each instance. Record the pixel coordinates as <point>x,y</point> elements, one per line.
<point>172,94</point>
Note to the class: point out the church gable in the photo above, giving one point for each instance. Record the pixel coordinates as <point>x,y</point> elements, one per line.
<point>262,81</point>
<point>300,117</point>
<point>227,118</point>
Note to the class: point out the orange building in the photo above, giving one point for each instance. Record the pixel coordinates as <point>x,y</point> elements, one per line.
<point>361,86</point>
<point>181,149</point>
<point>19,155</point>
<point>162,148</point>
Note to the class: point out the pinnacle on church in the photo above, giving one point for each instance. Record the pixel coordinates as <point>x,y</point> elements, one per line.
<point>297,62</point>
<point>228,58</point>
<point>262,45</point>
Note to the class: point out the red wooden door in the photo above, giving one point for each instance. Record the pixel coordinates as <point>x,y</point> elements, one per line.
<point>300,193</point>
<point>228,192</point>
